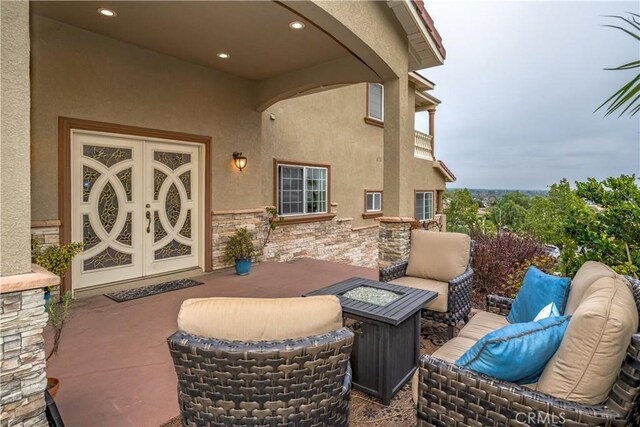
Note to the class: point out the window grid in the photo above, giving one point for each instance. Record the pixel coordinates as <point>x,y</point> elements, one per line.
<point>375,109</point>
<point>424,205</point>
<point>374,201</point>
<point>302,190</point>
<point>291,190</point>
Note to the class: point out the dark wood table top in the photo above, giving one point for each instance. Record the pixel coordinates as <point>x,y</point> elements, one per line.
<point>394,313</point>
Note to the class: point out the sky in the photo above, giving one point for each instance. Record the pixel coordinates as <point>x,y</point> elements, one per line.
<point>519,88</point>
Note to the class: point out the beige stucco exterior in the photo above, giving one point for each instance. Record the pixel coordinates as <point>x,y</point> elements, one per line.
<point>15,224</point>
<point>329,128</point>
<point>101,72</point>
<point>79,74</point>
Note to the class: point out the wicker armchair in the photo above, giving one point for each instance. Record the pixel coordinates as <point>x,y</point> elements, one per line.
<point>451,395</point>
<point>288,368</point>
<point>458,298</point>
<point>301,382</point>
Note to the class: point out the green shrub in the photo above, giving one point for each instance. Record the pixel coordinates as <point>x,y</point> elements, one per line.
<point>239,246</point>
<point>55,259</point>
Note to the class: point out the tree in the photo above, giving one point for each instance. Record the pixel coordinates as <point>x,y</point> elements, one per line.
<point>628,94</point>
<point>461,211</point>
<point>510,211</point>
<point>607,231</point>
<point>544,220</point>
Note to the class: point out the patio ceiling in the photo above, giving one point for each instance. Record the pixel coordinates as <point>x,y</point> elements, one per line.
<point>256,34</point>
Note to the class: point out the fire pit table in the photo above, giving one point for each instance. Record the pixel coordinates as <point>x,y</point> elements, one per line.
<point>386,322</point>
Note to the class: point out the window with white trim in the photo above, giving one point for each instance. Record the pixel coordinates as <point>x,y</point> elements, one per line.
<point>302,190</point>
<point>424,205</point>
<point>374,201</point>
<point>375,109</point>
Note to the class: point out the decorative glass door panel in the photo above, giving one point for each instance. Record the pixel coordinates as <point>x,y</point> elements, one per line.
<point>134,206</point>
<point>171,210</point>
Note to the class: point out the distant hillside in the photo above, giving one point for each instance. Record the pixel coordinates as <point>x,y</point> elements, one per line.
<point>481,192</point>
<point>487,196</point>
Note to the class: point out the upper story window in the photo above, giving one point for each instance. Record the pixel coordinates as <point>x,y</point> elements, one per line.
<point>424,205</point>
<point>373,201</point>
<point>302,189</point>
<point>375,99</point>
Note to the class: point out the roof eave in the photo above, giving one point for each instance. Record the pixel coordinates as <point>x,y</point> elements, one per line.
<point>444,170</point>
<point>424,41</point>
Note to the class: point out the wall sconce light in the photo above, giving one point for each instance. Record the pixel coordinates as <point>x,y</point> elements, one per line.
<point>239,160</point>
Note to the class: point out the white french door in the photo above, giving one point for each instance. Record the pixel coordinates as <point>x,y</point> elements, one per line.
<point>135,206</point>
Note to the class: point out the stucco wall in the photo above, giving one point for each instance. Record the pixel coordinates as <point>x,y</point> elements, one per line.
<point>328,127</point>
<point>83,75</point>
<point>14,151</point>
<point>79,74</point>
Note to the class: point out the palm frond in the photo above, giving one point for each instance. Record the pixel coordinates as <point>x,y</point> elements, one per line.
<point>627,97</point>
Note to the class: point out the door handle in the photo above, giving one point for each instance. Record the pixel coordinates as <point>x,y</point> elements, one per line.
<point>149,222</point>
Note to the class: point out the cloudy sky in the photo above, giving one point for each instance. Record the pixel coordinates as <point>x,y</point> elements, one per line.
<point>519,87</point>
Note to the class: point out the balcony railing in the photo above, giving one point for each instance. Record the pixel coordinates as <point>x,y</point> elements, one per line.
<point>423,146</point>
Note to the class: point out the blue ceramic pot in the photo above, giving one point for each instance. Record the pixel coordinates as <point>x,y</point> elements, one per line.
<point>243,266</point>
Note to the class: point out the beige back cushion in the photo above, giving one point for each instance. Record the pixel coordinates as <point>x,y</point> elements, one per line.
<point>438,256</point>
<point>584,278</point>
<point>260,319</point>
<point>589,358</point>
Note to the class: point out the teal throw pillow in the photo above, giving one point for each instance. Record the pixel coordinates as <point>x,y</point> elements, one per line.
<point>538,290</point>
<point>516,353</point>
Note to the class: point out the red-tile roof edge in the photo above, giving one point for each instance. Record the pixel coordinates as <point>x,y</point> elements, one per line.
<point>428,22</point>
<point>444,166</point>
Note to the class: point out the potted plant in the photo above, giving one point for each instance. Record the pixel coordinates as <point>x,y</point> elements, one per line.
<point>57,260</point>
<point>240,250</point>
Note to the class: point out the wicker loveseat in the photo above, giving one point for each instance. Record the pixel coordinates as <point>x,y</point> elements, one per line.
<point>588,384</point>
<point>439,262</point>
<point>275,362</point>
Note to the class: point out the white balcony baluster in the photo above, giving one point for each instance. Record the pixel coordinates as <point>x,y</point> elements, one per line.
<point>423,146</point>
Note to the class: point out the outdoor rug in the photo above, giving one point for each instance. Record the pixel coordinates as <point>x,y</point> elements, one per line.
<point>367,411</point>
<point>145,291</point>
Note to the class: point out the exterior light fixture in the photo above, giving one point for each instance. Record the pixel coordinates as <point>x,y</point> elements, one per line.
<point>296,25</point>
<point>224,55</point>
<point>239,160</point>
<point>107,12</point>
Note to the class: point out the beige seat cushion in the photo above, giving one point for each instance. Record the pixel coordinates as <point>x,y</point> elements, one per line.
<point>584,278</point>
<point>589,358</point>
<point>481,324</point>
<point>438,256</point>
<point>449,352</point>
<point>260,319</point>
<point>442,288</point>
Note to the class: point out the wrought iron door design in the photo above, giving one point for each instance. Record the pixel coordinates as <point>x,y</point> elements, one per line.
<point>170,211</point>
<point>134,206</point>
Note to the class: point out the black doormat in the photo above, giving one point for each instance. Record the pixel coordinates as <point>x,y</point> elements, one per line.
<point>145,291</point>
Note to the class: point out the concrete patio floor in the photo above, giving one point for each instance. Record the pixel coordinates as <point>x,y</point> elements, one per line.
<point>114,364</point>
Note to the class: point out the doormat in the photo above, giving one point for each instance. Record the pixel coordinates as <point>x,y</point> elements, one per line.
<point>146,291</point>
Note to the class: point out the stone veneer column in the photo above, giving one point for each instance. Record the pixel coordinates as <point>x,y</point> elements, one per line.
<point>22,359</point>
<point>394,240</point>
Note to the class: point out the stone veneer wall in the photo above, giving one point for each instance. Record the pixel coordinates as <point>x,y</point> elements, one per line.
<point>333,240</point>
<point>47,232</point>
<point>22,359</point>
<point>394,240</point>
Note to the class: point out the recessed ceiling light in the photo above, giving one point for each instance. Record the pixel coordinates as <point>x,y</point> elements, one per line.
<point>296,25</point>
<point>224,55</point>
<point>107,12</point>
